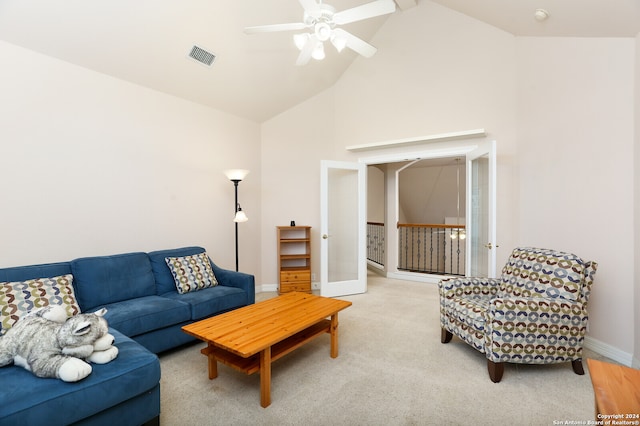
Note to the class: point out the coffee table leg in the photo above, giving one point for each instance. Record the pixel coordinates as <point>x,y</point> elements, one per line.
<point>334,335</point>
<point>213,364</point>
<point>265,377</point>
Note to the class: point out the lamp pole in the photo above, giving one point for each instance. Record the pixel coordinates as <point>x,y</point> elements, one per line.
<point>235,184</point>
<point>235,176</point>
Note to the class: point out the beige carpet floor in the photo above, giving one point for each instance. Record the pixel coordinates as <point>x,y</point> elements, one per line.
<point>392,370</point>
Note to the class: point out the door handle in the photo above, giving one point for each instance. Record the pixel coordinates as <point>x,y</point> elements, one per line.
<point>490,246</point>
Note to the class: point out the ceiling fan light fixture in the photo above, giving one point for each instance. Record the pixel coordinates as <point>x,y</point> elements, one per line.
<point>300,40</point>
<point>339,42</point>
<point>318,51</point>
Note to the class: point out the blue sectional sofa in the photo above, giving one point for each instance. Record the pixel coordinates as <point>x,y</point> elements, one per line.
<point>145,314</point>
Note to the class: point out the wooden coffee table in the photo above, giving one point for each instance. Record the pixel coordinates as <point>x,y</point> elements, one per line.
<point>250,338</point>
<point>617,391</point>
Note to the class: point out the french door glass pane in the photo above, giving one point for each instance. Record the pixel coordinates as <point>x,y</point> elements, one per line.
<point>479,217</point>
<point>343,224</point>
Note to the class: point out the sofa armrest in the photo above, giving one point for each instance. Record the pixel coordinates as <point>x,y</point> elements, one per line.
<point>240,280</point>
<point>456,287</point>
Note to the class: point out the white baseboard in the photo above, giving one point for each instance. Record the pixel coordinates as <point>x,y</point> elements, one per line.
<point>264,288</point>
<point>610,352</point>
<point>411,276</point>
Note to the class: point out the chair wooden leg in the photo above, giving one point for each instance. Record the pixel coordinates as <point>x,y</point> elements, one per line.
<point>445,336</point>
<point>496,369</point>
<point>577,367</point>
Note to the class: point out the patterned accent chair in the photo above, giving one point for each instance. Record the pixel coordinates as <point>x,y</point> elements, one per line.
<point>535,313</point>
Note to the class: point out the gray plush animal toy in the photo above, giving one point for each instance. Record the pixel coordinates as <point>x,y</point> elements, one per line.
<point>49,344</point>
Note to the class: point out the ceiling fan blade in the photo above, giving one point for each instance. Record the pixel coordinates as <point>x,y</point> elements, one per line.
<point>307,50</point>
<point>366,11</point>
<point>356,44</point>
<point>275,27</point>
<point>309,5</point>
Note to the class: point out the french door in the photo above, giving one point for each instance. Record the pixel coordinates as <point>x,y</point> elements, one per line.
<point>481,211</point>
<point>343,265</point>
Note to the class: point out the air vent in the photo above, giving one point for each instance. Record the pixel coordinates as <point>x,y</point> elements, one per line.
<point>201,55</point>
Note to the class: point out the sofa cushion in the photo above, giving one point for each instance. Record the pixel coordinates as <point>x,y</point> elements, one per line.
<point>30,400</point>
<point>101,280</point>
<point>144,314</point>
<point>19,297</point>
<point>191,273</point>
<point>163,276</point>
<point>532,272</point>
<point>213,300</point>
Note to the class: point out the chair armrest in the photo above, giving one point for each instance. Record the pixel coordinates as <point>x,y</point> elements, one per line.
<point>240,280</point>
<point>456,287</point>
<point>589,271</point>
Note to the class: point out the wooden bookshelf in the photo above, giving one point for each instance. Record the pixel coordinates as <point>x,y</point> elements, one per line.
<point>294,258</point>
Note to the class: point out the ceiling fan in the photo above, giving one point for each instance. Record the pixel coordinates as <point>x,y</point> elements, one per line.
<point>323,20</point>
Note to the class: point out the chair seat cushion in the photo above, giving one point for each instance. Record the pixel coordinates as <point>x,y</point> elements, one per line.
<point>471,310</point>
<point>144,314</point>
<point>31,400</point>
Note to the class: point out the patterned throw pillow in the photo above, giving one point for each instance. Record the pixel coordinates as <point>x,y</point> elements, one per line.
<point>18,298</point>
<point>191,273</point>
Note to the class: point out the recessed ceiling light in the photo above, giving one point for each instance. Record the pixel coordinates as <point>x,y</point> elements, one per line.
<point>541,15</point>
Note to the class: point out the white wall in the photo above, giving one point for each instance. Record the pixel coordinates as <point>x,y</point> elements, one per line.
<point>375,194</point>
<point>429,194</point>
<point>293,144</point>
<point>91,165</point>
<point>575,145</point>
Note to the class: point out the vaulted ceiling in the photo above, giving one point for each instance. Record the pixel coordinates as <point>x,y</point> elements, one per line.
<point>147,42</point>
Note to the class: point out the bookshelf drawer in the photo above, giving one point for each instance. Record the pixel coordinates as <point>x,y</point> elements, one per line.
<point>294,276</point>
<point>304,287</point>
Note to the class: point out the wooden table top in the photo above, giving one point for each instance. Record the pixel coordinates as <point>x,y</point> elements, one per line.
<point>248,330</point>
<point>616,389</point>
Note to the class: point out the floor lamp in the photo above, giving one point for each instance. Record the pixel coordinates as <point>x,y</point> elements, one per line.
<point>236,176</point>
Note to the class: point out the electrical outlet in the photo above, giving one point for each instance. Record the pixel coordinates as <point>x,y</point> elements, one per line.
<point>313,277</point>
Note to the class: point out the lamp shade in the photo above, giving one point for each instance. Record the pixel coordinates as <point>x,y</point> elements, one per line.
<point>240,217</point>
<point>301,39</point>
<point>318,51</point>
<point>339,42</point>
<point>236,174</point>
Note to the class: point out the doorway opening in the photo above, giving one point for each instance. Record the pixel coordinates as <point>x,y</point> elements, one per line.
<point>447,193</point>
<point>431,205</point>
